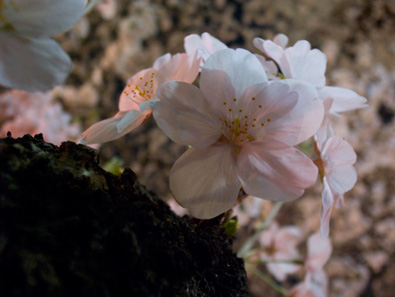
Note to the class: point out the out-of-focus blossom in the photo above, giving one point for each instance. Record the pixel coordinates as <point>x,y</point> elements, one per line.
<point>140,93</point>
<point>315,284</point>
<point>29,59</point>
<point>107,8</point>
<point>205,45</point>
<point>241,128</point>
<point>177,208</point>
<point>336,165</point>
<point>23,113</point>
<point>250,208</point>
<point>279,248</point>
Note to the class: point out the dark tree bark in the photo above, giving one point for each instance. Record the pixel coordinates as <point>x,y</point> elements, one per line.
<point>69,228</point>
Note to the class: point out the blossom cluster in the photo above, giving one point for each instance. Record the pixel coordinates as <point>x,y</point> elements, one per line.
<point>242,123</point>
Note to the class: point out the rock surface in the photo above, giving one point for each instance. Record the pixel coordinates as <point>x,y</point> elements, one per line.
<point>69,228</point>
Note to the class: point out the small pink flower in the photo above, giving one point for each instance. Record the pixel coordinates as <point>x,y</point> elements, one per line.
<point>279,245</point>
<point>139,94</point>
<point>241,128</point>
<point>336,164</point>
<point>250,208</point>
<point>315,284</point>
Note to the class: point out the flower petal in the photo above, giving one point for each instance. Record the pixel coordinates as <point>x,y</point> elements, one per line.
<point>272,172</point>
<point>242,70</point>
<point>43,18</point>
<point>205,181</point>
<point>327,205</point>
<point>183,113</point>
<point>319,250</point>
<point>291,126</point>
<point>343,99</point>
<point>181,67</point>
<point>206,45</point>
<point>105,130</point>
<point>132,120</point>
<point>32,64</point>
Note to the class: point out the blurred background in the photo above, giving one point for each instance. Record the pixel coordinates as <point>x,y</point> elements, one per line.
<point>119,38</point>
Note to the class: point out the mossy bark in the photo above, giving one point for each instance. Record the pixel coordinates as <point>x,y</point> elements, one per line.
<point>69,228</point>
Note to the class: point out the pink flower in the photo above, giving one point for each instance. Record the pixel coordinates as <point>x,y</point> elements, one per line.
<point>139,94</point>
<point>24,113</point>
<point>29,59</point>
<point>336,164</point>
<point>279,245</point>
<point>205,45</point>
<point>315,284</point>
<point>241,128</point>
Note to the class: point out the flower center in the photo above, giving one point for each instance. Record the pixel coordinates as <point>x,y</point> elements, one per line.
<point>239,127</point>
<point>143,89</point>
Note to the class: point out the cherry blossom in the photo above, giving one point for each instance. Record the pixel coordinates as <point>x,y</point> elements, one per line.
<point>315,283</point>
<point>24,113</point>
<point>279,248</point>
<point>241,128</point>
<point>336,164</point>
<point>303,63</point>
<point>140,93</point>
<point>29,59</point>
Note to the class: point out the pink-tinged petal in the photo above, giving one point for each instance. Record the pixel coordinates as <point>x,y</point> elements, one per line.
<point>131,120</point>
<point>277,174</point>
<point>343,99</point>
<point>319,250</point>
<point>205,181</point>
<point>277,53</point>
<point>32,65</point>
<point>43,18</point>
<point>325,131</point>
<point>139,88</point>
<point>104,131</point>
<point>268,236</point>
<point>183,113</point>
<point>295,125</point>
<point>281,40</point>
<point>161,61</point>
<point>327,204</point>
<point>205,44</point>
<point>242,70</point>
<point>281,270</point>
<point>181,67</point>
<point>339,159</point>
<point>305,64</point>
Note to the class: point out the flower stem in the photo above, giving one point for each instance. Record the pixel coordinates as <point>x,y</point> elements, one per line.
<point>268,280</point>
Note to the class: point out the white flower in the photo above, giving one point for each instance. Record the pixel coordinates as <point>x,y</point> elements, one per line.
<point>241,128</point>
<point>29,59</point>
<point>140,93</point>
<point>336,163</point>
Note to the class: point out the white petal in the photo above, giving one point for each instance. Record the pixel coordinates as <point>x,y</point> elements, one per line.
<point>206,42</point>
<point>295,125</point>
<point>242,68</point>
<point>32,65</point>
<point>205,181</point>
<point>42,17</point>
<point>132,120</point>
<point>161,61</point>
<point>343,99</point>
<point>185,116</point>
<point>270,172</point>
<point>181,67</point>
<point>281,40</point>
<point>325,131</point>
<point>327,205</point>
<point>319,250</point>
<point>306,64</point>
